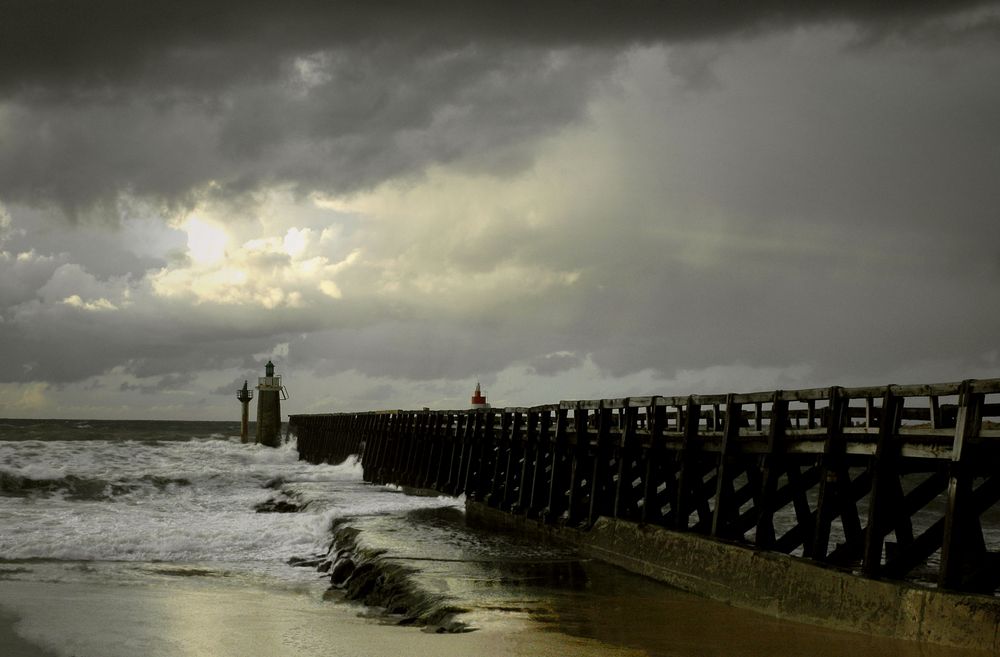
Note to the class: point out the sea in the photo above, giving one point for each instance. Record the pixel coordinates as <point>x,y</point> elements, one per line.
<point>149,539</point>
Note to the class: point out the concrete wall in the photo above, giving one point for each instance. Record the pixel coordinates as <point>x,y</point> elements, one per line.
<point>777,584</point>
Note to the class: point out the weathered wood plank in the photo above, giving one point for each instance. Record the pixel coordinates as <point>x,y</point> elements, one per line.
<point>962,540</point>
<point>884,500</point>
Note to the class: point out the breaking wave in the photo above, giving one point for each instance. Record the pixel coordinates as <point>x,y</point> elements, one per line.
<point>72,487</point>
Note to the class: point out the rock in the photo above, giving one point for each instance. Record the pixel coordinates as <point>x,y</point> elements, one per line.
<point>304,562</point>
<point>279,506</point>
<point>342,571</point>
<point>362,582</point>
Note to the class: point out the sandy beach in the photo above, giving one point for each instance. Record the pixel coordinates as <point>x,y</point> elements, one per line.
<point>13,644</point>
<point>194,618</point>
<point>212,617</point>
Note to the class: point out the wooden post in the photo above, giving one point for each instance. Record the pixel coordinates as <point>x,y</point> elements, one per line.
<point>412,449</point>
<point>627,451</point>
<point>466,431</point>
<point>513,466</point>
<point>832,487</point>
<point>501,452</point>
<point>449,429</point>
<point>432,449</point>
<point>659,463</point>
<point>883,503</point>
<point>963,536</point>
<point>455,453</point>
<point>725,511</point>
<point>530,466</point>
<point>558,473</point>
<point>771,469</point>
<point>688,478</point>
<point>653,454</point>
<point>578,444</point>
<point>601,492</point>
<point>488,453</point>
<point>474,449</point>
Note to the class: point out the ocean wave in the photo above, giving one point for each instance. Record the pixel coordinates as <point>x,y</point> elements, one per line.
<point>174,501</point>
<point>73,487</point>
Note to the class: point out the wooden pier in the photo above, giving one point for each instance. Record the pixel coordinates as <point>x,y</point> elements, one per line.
<point>894,482</point>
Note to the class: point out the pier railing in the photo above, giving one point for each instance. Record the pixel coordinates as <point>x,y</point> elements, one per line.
<point>898,482</point>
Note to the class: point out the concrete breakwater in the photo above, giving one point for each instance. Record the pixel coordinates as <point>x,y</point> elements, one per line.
<point>807,504</point>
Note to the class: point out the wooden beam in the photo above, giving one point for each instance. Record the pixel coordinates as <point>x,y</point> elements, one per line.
<point>962,540</point>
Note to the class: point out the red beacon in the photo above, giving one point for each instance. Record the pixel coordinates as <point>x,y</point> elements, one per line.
<point>478,399</point>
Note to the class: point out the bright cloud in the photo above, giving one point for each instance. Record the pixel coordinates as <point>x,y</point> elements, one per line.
<point>97,305</point>
<point>27,400</point>
<point>296,241</point>
<point>268,270</point>
<point>206,241</point>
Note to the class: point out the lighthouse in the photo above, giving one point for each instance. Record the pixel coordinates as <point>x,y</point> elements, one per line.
<point>270,392</point>
<point>245,395</point>
<point>478,398</point>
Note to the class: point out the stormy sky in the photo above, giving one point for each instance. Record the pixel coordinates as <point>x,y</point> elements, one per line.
<point>564,200</point>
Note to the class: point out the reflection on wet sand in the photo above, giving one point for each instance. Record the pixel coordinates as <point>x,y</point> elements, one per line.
<point>188,617</point>
<point>549,586</point>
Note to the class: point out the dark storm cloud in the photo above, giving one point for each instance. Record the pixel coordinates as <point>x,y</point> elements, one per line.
<point>551,364</point>
<point>415,350</point>
<point>230,388</point>
<point>66,43</point>
<point>647,309</point>
<point>101,252</point>
<point>367,116</point>
<point>50,340</point>
<point>168,100</point>
<point>169,382</point>
<point>20,279</point>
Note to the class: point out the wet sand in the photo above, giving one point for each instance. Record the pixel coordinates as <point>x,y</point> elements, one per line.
<point>13,644</point>
<point>630,611</point>
<point>206,619</point>
<point>615,614</point>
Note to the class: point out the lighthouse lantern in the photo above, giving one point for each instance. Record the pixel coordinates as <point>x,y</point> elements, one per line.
<point>478,398</point>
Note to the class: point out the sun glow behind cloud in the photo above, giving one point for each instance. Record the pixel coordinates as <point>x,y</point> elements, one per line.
<point>206,241</point>
<point>281,265</point>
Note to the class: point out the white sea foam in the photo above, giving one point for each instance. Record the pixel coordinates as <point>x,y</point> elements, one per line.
<point>175,501</point>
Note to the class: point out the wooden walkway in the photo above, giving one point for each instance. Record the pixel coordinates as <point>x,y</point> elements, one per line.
<point>893,482</point>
